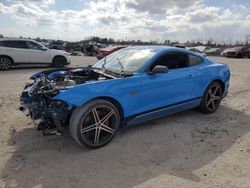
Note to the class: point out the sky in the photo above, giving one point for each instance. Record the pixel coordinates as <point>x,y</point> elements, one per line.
<point>146,20</point>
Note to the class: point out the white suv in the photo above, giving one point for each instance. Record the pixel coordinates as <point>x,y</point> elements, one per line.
<point>15,52</point>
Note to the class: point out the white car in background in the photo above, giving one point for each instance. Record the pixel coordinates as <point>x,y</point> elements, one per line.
<point>197,51</point>
<point>224,52</point>
<point>16,52</point>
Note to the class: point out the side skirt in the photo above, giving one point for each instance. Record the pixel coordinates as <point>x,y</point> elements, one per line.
<point>164,111</point>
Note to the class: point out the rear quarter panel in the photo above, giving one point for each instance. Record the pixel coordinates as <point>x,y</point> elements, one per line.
<point>7,51</point>
<point>17,55</point>
<point>212,71</point>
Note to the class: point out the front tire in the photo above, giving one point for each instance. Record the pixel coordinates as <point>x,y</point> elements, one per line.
<point>212,98</point>
<point>95,124</point>
<point>5,63</point>
<point>59,62</point>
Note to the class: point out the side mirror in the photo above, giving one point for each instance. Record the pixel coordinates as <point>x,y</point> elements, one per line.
<point>159,69</point>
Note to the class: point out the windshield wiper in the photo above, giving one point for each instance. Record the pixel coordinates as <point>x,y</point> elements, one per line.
<point>122,70</point>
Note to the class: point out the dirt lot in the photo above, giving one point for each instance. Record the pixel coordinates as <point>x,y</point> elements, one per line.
<point>188,149</point>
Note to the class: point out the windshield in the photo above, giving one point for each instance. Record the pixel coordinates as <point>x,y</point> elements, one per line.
<point>35,45</point>
<point>126,60</point>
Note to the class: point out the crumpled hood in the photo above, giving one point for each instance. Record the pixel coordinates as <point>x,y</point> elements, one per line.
<point>50,74</point>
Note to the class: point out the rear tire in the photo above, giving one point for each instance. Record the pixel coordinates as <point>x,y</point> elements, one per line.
<point>95,124</point>
<point>5,63</point>
<point>211,99</point>
<point>59,62</point>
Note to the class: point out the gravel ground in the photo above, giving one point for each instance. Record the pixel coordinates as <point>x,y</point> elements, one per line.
<point>188,149</point>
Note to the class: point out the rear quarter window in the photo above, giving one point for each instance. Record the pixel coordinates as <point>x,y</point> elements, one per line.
<point>3,43</point>
<point>16,44</point>
<point>195,60</point>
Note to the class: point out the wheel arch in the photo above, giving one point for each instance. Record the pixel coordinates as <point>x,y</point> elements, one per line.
<point>7,57</point>
<point>114,102</point>
<point>58,56</point>
<point>220,82</point>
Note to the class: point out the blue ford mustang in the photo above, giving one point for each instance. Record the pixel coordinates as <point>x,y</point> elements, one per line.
<point>130,86</point>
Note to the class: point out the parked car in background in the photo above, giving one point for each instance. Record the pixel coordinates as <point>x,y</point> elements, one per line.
<point>213,51</point>
<point>180,46</point>
<point>109,50</point>
<point>202,48</point>
<point>128,87</point>
<point>238,52</point>
<point>100,46</point>
<point>196,51</point>
<point>90,49</point>
<point>16,52</point>
<point>57,45</point>
<point>224,52</point>
<point>73,47</point>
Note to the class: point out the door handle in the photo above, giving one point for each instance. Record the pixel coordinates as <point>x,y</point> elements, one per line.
<point>189,76</point>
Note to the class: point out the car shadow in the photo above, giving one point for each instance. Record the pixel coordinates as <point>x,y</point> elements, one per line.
<point>176,145</point>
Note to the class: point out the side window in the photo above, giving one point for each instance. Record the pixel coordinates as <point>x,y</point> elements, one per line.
<point>2,43</point>
<point>172,60</point>
<point>34,46</point>
<point>16,44</point>
<point>194,60</point>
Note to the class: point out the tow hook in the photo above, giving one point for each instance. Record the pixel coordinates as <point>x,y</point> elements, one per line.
<point>21,108</point>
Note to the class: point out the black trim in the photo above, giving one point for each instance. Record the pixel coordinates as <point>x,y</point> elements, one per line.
<point>187,53</point>
<point>160,108</point>
<point>37,63</point>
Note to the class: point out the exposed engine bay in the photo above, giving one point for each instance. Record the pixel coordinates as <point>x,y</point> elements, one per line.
<point>37,98</point>
<point>54,80</point>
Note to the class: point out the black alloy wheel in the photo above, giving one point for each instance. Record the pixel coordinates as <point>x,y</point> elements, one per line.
<point>95,124</point>
<point>212,98</point>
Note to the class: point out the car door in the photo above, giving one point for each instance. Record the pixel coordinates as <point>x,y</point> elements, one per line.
<point>38,54</point>
<point>166,89</point>
<point>17,50</point>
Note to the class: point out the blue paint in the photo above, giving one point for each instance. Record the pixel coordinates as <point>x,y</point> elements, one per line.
<point>143,92</point>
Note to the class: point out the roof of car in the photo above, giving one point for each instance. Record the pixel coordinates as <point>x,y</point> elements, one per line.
<point>157,48</point>
<point>160,48</point>
<point>15,39</point>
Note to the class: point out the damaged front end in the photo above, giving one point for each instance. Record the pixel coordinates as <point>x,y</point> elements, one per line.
<point>37,98</point>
